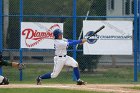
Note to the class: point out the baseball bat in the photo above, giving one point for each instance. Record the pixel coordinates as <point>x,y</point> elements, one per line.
<point>98,30</point>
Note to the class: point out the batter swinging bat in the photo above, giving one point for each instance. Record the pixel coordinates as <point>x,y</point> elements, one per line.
<point>98,30</point>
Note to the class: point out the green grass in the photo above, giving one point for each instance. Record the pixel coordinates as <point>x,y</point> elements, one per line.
<point>136,87</point>
<point>42,90</point>
<point>108,75</point>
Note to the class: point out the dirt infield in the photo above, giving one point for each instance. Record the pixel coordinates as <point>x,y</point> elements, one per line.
<point>113,88</point>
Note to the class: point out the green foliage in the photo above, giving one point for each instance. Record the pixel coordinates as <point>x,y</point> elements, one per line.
<point>47,7</point>
<point>98,7</point>
<point>32,9</point>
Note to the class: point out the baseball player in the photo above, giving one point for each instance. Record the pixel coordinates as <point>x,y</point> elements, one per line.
<point>12,64</point>
<point>8,63</point>
<point>61,58</point>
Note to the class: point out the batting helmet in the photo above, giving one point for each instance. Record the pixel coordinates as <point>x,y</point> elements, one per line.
<point>56,33</point>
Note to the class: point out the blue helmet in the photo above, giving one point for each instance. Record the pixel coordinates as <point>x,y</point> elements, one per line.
<point>56,33</point>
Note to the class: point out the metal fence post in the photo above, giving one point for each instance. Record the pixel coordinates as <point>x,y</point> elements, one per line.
<point>0,31</point>
<point>74,27</point>
<point>139,34</point>
<point>21,18</point>
<point>74,32</point>
<point>135,41</point>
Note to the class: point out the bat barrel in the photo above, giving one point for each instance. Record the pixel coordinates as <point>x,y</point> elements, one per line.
<point>97,31</point>
<point>101,28</point>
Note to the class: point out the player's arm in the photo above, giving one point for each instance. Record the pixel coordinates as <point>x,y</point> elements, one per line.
<point>75,42</point>
<point>12,64</point>
<point>8,63</point>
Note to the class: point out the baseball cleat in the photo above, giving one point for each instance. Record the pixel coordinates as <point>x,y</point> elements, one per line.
<point>38,80</point>
<point>81,82</point>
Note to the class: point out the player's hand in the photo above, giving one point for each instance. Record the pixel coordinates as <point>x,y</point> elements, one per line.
<point>84,40</point>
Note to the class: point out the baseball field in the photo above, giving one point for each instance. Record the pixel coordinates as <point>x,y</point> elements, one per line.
<point>109,61</point>
<point>102,80</point>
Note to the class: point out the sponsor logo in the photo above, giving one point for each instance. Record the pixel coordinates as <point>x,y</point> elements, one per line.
<point>92,39</point>
<point>95,38</point>
<point>34,37</point>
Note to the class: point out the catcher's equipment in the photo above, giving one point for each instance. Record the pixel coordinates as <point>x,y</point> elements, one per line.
<point>20,66</point>
<point>38,80</point>
<point>13,64</point>
<point>56,33</point>
<point>81,82</point>
<point>4,80</point>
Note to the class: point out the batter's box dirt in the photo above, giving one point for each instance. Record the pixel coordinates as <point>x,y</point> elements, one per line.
<point>114,88</point>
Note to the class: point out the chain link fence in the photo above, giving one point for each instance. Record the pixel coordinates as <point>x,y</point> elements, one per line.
<point>93,68</point>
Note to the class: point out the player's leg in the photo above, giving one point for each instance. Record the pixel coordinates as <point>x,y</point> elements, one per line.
<point>71,62</point>
<point>58,65</point>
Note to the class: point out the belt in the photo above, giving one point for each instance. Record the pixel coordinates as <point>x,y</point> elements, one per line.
<point>61,56</point>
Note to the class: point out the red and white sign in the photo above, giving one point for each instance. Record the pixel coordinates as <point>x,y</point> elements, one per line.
<point>38,34</point>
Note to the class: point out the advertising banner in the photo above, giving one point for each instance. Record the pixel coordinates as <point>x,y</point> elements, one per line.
<point>114,39</point>
<point>38,34</point>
